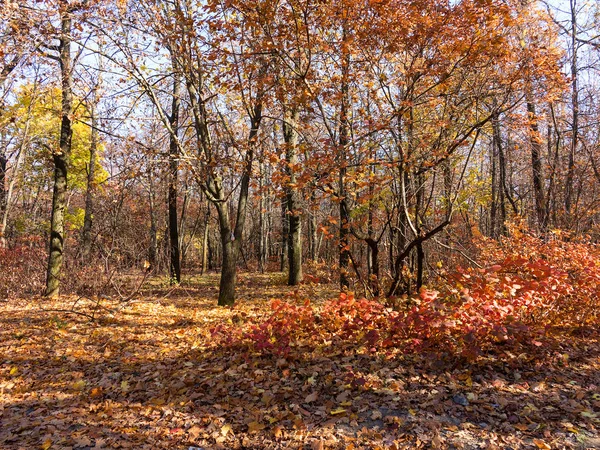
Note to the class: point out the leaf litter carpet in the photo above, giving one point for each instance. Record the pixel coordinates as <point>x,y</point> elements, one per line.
<point>148,374</point>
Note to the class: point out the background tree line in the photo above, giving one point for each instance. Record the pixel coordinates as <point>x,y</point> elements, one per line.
<point>367,143</point>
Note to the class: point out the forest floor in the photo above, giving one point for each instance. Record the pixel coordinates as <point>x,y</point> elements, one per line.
<point>147,374</point>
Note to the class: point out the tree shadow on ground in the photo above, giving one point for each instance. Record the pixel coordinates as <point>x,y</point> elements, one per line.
<point>150,377</point>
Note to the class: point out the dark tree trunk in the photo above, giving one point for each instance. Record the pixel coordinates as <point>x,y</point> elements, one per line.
<point>174,246</point>
<point>153,248</point>
<point>344,234</point>
<point>3,196</point>
<point>283,256</point>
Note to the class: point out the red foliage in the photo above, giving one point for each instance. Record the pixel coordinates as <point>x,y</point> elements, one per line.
<point>529,284</point>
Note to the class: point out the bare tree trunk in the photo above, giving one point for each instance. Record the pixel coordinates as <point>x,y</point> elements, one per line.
<point>153,248</point>
<point>575,111</point>
<point>175,257</point>
<point>261,222</point>
<point>290,136</point>
<point>3,197</point>
<point>86,235</point>
<point>312,225</point>
<point>231,240</point>
<point>283,259</point>
<point>205,240</point>
<point>344,244</point>
<point>228,266</point>
<point>536,164</point>
<point>60,159</point>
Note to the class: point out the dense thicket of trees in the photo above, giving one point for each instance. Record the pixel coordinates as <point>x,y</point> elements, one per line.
<point>375,139</point>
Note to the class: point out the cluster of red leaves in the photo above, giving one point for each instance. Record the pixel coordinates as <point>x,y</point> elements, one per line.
<point>528,285</point>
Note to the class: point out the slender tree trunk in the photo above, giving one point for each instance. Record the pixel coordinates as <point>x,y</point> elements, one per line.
<point>3,198</point>
<point>575,112</point>
<point>60,159</point>
<point>493,229</point>
<point>153,248</point>
<point>86,235</point>
<point>283,260</point>
<point>205,239</point>
<point>261,222</point>
<point>290,136</point>
<point>174,248</point>
<point>312,225</point>
<point>344,234</point>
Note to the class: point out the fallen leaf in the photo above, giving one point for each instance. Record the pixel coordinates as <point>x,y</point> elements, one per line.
<point>79,385</point>
<point>317,445</point>
<point>311,398</point>
<point>194,432</point>
<point>541,444</point>
<point>255,427</point>
<point>225,429</point>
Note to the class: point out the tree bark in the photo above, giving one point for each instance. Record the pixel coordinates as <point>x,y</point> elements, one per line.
<point>294,244</point>
<point>174,247</point>
<point>205,240</point>
<point>86,235</point>
<point>536,165</point>
<point>344,244</point>
<point>60,159</point>
<point>575,111</point>
<point>3,197</point>
<point>153,248</point>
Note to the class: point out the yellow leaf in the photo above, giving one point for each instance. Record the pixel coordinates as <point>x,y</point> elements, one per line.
<point>337,411</point>
<point>225,429</point>
<point>47,444</point>
<point>79,385</point>
<point>124,386</point>
<point>14,371</point>
<point>348,403</point>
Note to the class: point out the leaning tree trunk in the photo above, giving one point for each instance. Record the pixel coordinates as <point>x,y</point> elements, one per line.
<point>293,205</point>
<point>60,159</point>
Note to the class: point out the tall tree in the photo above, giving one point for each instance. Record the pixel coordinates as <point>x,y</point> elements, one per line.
<point>60,156</point>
